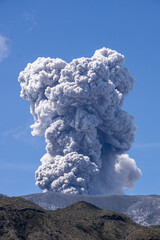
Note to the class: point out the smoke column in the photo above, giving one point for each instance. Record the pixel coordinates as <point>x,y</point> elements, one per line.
<point>78,107</point>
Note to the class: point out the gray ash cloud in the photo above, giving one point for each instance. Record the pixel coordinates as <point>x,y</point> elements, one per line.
<point>78,107</point>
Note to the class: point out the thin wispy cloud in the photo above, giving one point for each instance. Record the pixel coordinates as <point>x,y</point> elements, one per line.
<point>4,50</point>
<point>18,133</point>
<point>31,19</point>
<point>22,134</point>
<point>146,145</point>
<point>19,166</point>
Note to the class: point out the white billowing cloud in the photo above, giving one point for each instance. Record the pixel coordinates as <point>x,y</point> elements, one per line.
<point>4,51</point>
<point>124,168</point>
<point>78,107</point>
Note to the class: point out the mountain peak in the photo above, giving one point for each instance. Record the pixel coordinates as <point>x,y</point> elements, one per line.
<point>22,219</point>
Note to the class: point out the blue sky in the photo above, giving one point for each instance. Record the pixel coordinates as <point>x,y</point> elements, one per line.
<point>69,29</point>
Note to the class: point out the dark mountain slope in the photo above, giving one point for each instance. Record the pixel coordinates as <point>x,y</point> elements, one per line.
<point>21,219</point>
<point>144,210</point>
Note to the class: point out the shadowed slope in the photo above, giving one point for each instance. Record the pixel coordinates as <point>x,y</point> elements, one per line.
<point>21,219</point>
<point>143,210</point>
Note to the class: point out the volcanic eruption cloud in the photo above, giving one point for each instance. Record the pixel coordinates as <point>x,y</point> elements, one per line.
<point>78,107</point>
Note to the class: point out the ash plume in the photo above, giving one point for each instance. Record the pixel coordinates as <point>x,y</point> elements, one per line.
<point>78,107</point>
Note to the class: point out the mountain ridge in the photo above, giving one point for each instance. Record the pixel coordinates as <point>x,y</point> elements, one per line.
<point>23,220</point>
<point>143,209</point>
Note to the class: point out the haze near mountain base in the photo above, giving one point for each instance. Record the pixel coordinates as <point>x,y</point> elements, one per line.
<point>77,106</point>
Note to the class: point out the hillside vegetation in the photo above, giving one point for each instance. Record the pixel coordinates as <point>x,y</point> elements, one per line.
<point>21,219</point>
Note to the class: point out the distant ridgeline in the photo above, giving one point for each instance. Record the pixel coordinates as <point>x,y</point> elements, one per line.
<point>22,219</point>
<point>144,210</point>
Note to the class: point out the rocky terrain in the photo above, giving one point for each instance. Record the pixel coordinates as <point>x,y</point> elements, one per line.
<point>144,210</point>
<point>21,219</point>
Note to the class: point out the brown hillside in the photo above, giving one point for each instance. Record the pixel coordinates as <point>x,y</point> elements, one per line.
<point>23,220</point>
